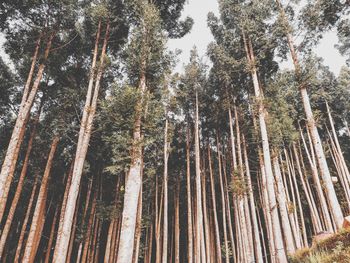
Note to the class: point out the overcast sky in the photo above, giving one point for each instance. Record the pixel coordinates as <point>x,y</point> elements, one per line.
<point>200,36</point>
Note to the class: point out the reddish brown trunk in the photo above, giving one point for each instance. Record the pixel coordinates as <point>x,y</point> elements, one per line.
<point>17,136</point>
<point>52,232</point>
<point>25,222</point>
<point>39,212</point>
<point>20,184</point>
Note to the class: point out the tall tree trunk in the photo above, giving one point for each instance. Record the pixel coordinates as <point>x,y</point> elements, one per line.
<point>157,223</point>
<point>283,207</point>
<point>83,143</point>
<point>11,213</point>
<point>133,180</point>
<point>39,212</point>
<point>321,158</point>
<point>189,195</point>
<point>207,236</point>
<point>199,210</point>
<point>318,186</point>
<point>64,204</point>
<point>313,211</point>
<point>88,236</point>
<point>223,204</point>
<point>87,203</point>
<point>337,144</point>
<point>264,198</point>
<point>165,192</point>
<point>213,199</point>
<point>71,239</point>
<point>177,221</point>
<point>52,232</point>
<point>111,237</point>
<point>258,248</point>
<point>138,229</point>
<point>25,222</point>
<point>276,226</point>
<point>17,136</point>
<point>243,202</point>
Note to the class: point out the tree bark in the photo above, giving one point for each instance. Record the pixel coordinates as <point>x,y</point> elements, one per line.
<point>283,207</point>
<point>321,158</point>
<point>213,199</point>
<point>11,213</point>
<point>223,204</point>
<point>257,243</point>
<point>52,232</point>
<point>25,222</point>
<point>133,180</point>
<point>165,192</point>
<point>83,143</point>
<point>276,226</point>
<point>189,195</point>
<point>177,222</point>
<point>17,136</point>
<point>316,179</point>
<point>199,209</point>
<point>39,212</point>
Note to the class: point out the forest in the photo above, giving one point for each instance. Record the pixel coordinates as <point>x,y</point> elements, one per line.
<point>109,154</point>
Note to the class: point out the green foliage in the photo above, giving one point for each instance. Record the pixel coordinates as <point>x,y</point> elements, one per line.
<point>117,118</point>
<point>238,185</point>
<point>281,113</point>
<point>229,250</point>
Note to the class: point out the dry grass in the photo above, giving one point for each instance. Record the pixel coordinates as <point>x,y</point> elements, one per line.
<point>335,249</point>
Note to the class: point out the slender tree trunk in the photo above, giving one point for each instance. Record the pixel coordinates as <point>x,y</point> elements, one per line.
<point>87,202</point>
<point>165,192</point>
<point>64,204</point>
<point>111,237</point>
<point>189,203</point>
<point>89,230</point>
<point>133,182</point>
<point>337,144</point>
<point>177,222</point>
<point>52,232</point>
<point>83,143</point>
<point>320,194</point>
<point>213,199</point>
<point>264,196</point>
<point>243,202</point>
<point>71,239</point>
<point>39,212</point>
<point>11,213</point>
<point>313,211</point>
<point>223,204</point>
<point>276,226</point>
<point>257,243</point>
<point>321,158</point>
<point>158,220</point>
<point>17,136</point>
<point>293,213</point>
<point>25,222</point>
<point>207,237</point>
<point>283,207</point>
<point>138,229</point>
<point>199,210</point>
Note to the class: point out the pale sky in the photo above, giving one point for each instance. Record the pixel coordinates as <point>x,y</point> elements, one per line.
<point>200,36</point>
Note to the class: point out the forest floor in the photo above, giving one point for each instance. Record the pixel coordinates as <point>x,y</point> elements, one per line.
<point>335,249</point>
